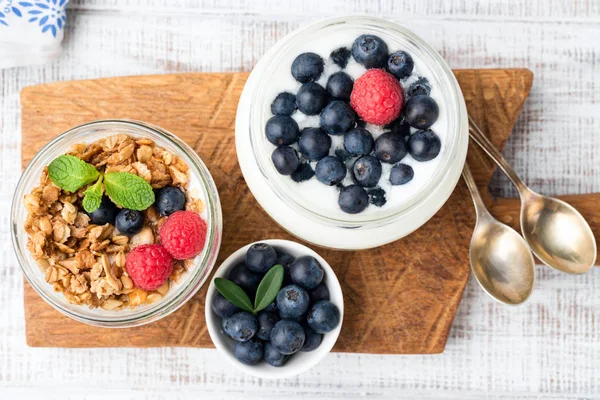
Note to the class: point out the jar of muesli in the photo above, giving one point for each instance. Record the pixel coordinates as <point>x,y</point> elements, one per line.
<point>79,267</point>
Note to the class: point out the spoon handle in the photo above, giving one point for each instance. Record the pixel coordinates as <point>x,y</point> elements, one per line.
<point>480,208</point>
<point>491,150</point>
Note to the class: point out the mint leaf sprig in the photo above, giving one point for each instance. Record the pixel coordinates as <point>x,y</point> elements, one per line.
<point>128,190</point>
<point>125,189</point>
<point>71,173</point>
<point>92,197</point>
<point>265,294</point>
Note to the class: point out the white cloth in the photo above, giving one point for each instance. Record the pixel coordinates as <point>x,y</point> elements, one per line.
<point>31,31</point>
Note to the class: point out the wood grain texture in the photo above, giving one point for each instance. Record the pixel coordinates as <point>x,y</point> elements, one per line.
<point>400,298</point>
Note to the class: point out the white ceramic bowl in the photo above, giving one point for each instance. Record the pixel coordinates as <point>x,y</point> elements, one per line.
<point>300,361</point>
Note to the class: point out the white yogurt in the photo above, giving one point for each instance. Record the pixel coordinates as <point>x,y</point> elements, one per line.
<point>323,199</point>
<point>196,191</point>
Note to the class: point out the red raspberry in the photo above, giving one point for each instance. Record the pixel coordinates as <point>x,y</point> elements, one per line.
<point>183,235</point>
<point>377,97</point>
<point>149,265</point>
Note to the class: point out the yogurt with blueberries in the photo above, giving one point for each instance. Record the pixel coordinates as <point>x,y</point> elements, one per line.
<point>356,126</point>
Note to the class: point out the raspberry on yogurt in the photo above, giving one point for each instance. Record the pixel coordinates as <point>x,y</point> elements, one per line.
<point>377,97</point>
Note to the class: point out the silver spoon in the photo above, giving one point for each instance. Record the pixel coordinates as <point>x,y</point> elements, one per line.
<point>500,259</point>
<point>555,231</point>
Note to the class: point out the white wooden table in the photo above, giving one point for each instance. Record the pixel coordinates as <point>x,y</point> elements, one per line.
<point>549,347</point>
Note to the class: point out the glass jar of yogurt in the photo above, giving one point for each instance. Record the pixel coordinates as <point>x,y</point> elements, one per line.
<point>310,209</point>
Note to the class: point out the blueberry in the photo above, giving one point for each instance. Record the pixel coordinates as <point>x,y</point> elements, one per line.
<point>400,64</point>
<point>260,257</point>
<point>339,86</point>
<point>337,117</point>
<point>244,278</point>
<point>390,147</point>
<point>266,322</point>
<point>367,171</point>
<point>249,352</point>
<point>284,104</point>
<point>307,272</point>
<point>377,197</point>
<point>321,292</point>
<point>240,326</point>
<point>424,145</point>
<point>169,199</point>
<point>286,260</point>
<point>330,170</point>
<point>129,222</point>
<point>340,56</point>
<point>419,87</point>
<point>105,214</point>
<point>281,130</point>
<point>312,339</point>
<point>358,141</point>
<point>272,308</point>
<point>311,98</point>
<point>370,51</point>
<point>353,199</point>
<point>285,159</point>
<point>274,357</point>
<point>222,307</point>
<point>314,143</point>
<point>421,111</point>
<point>297,318</point>
<point>342,154</point>
<point>292,301</point>
<point>287,337</point>
<point>323,316</point>
<point>307,67</point>
<point>400,127</point>
<point>303,173</point>
<point>401,174</point>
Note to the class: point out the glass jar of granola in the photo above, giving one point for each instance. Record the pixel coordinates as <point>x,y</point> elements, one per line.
<point>76,261</point>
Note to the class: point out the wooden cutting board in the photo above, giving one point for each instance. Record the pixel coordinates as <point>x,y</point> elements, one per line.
<point>399,298</point>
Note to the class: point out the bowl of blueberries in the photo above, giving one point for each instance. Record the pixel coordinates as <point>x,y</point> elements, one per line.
<point>274,309</point>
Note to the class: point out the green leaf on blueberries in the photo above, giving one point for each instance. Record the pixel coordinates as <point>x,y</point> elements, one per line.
<point>71,173</point>
<point>128,190</point>
<point>268,288</point>
<point>234,294</point>
<point>92,197</point>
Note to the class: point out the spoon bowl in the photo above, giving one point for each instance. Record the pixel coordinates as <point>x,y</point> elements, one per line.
<point>501,262</point>
<point>557,234</point>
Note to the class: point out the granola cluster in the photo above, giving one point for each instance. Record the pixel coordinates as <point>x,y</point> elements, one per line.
<point>86,262</point>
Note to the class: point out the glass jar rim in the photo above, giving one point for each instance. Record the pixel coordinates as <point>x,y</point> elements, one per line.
<point>204,266</point>
<point>257,121</point>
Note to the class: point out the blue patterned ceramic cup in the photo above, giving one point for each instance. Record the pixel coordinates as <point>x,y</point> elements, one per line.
<point>31,32</point>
